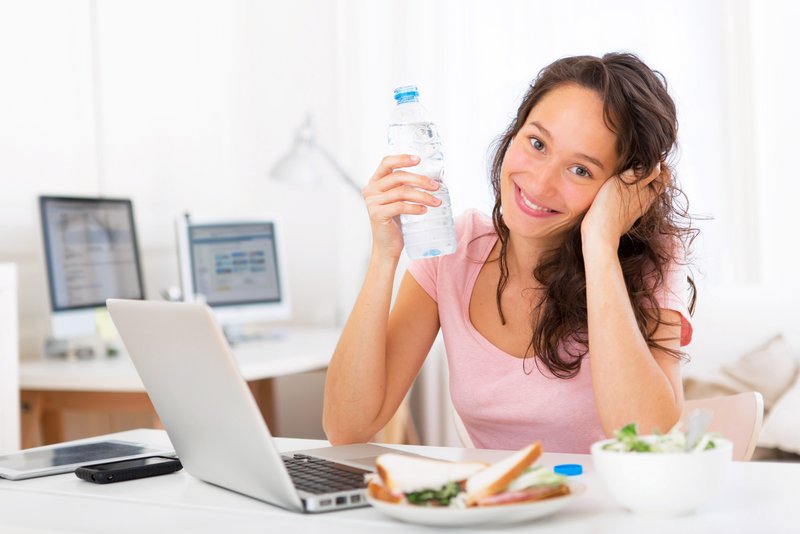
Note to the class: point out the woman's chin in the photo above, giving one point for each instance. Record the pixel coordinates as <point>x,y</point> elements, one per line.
<point>550,231</point>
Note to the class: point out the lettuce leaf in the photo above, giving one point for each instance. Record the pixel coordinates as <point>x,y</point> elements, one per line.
<point>431,497</point>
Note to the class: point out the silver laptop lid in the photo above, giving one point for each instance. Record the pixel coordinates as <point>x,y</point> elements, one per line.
<point>204,403</point>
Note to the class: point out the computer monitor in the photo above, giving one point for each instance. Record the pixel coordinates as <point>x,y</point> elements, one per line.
<point>91,254</point>
<point>237,267</point>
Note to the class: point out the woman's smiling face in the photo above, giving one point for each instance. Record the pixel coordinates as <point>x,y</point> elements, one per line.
<point>556,164</point>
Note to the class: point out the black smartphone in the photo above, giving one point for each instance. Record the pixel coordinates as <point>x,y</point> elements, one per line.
<point>128,469</point>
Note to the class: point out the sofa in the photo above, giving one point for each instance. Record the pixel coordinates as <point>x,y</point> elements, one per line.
<point>748,338</point>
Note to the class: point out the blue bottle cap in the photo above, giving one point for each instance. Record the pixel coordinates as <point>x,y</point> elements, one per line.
<point>407,93</point>
<point>569,470</point>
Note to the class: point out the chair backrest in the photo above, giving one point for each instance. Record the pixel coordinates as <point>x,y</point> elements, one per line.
<point>461,430</point>
<point>736,417</point>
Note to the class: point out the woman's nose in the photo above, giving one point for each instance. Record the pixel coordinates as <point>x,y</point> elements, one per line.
<point>544,179</point>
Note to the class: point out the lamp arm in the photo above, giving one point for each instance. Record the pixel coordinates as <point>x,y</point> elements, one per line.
<point>342,174</point>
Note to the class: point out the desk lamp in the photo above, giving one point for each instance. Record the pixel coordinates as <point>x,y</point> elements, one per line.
<point>306,161</point>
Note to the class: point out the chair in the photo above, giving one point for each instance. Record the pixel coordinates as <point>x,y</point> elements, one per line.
<point>736,417</point>
<point>461,430</point>
<point>400,428</point>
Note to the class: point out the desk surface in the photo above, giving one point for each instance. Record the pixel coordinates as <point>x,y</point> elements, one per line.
<point>294,350</point>
<point>758,497</point>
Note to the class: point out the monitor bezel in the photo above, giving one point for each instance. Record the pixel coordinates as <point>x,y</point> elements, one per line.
<point>43,200</point>
<point>235,313</point>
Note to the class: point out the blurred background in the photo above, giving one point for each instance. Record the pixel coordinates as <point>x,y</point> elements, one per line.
<point>187,105</point>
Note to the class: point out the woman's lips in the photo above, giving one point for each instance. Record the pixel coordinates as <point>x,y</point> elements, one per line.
<point>531,207</point>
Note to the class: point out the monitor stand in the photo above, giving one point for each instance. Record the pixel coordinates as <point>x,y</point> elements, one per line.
<point>78,348</point>
<point>81,335</point>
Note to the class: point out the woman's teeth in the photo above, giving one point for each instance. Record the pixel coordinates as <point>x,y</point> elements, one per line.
<point>533,206</point>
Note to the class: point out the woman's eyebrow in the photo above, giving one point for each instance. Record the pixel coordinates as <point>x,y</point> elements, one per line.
<point>588,158</point>
<point>544,130</point>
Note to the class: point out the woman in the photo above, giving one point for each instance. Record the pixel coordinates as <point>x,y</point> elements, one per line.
<point>562,315</point>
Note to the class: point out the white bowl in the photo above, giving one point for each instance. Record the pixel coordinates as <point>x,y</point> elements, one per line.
<point>659,483</point>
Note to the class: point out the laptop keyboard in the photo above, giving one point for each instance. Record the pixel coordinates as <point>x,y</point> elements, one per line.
<point>316,475</point>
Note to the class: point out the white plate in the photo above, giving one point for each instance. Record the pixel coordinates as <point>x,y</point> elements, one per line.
<point>456,517</point>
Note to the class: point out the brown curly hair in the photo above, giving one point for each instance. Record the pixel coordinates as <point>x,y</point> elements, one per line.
<point>639,110</point>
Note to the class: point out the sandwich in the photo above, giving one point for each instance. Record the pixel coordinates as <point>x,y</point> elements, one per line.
<point>426,482</point>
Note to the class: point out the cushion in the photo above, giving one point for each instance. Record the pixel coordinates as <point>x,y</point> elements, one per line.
<point>781,428</point>
<point>769,369</point>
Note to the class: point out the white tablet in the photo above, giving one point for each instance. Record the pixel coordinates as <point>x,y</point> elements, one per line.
<point>66,457</point>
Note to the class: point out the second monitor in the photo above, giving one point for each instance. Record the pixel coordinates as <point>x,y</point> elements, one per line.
<point>237,267</point>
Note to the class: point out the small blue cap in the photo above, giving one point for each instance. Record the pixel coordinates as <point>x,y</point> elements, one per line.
<point>407,93</point>
<point>569,470</point>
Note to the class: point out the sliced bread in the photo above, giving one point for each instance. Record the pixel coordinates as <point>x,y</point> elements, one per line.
<point>495,478</point>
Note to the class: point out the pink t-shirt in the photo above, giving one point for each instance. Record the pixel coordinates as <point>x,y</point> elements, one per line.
<point>502,404</point>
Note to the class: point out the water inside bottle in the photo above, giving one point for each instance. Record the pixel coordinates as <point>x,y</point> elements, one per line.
<point>422,139</point>
<point>430,234</point>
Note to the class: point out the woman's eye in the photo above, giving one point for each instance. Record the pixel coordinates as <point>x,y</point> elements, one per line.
<point>583,172</point>
<point>538,145</point>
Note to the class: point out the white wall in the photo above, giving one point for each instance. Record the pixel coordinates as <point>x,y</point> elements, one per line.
<point>9,359</point>
<point>776,137</point>
<point>180,105</point>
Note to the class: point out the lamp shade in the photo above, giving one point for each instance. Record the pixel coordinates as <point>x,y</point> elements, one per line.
<point>307,163</point>
<point>297,166</point>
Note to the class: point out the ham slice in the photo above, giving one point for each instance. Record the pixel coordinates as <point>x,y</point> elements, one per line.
<point>531,494</point>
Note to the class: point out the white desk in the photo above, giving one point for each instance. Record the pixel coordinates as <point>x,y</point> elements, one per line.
<point>758,497</point>
<point>49,386</point>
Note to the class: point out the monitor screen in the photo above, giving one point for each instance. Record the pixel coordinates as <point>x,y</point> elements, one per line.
<point>234,263</point>
<point>237,266</point>
<point>91,251</point>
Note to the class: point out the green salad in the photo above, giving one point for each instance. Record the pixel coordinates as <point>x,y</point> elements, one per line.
<point>628,440</point>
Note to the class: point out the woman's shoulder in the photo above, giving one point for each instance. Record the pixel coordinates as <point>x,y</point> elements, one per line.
<point>451,271</point>
<point>473,223</point>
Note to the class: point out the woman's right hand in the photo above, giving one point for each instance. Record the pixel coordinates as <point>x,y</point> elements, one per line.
<point>391,193</point>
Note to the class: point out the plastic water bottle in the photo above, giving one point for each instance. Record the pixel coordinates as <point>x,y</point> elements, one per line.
<point>411,131</point>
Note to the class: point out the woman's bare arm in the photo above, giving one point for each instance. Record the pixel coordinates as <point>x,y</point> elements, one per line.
<point>631,383</point>
<point>378,356</point>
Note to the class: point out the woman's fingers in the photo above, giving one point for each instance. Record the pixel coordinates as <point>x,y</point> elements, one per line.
<point>657,182</point>
<point>392,191</point>
<point>653,175</point>
<point>390,211</point>
<point>629,177</point>
<point>402,178</point>
<point>391,163</point>
<point>403,193</point>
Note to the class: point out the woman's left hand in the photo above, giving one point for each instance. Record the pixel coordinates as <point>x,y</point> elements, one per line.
<point>620,202</point>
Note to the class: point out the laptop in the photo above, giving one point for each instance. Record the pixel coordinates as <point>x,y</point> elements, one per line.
<point>212,419</point>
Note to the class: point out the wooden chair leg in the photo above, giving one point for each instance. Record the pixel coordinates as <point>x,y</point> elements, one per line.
<point>400,429</point>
